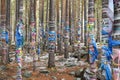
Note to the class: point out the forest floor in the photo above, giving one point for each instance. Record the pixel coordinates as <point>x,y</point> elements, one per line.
<point>62,71</point>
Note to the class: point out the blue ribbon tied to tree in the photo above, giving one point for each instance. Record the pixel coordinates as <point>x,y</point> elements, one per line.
<point>43,33</point>
<point>67,28</point>
<point>95,52</point>
<point>112,43</point>
<point>19,35</point>
<point>94,56</point>
<point>38,50</point>
<point>107,52</point>
<point>108,73</point>
<point>52,36</point>
<point>104,32</point>
<point>5,36</point>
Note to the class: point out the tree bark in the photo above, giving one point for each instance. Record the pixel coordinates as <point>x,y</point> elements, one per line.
<point>17,10</point>
<point>0,12</point>
<point>51,61</point>
<point>42,25</point>
<point>85,24</point>
<point>63,2</point>
<point>13,20</point>
<point>46,27</point>
<point>33,32</point>
<point>58,25</point>
<point>37,20</point>
<point>70,21</point>
<point>67,30</point>
<point>73,25</point>
<point>8,14</point>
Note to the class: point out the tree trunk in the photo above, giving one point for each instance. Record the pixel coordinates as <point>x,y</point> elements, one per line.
<point>37,20</point>
<point>17,10</point>
<point>85,24</point>
<point>8,14</point>
<point>67,30</point>
<point>52,34</point>
<point>12,20</point>
<point>78,22</point>
<point>58,25</point>
<point>46,27</point>
<point>82,22</point>
<point>33,32</point>
<point>99,16</point>
<point>91,34</point>
<point>70,21</point>
<point>42,25</point>
<point>3,11</point>
<point>27,16</point>
<point>73,25</point>
<point>62,25</point>
<point>0,12</point>
<point>8,26</point>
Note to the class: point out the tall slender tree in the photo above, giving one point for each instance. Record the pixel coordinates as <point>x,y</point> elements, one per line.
<point>67,30</point>
<point>72,29</point>
<point>52,34</point>
<point>12,20</point>
<point>99,16</point>
<point>92,42</point>
<point>33,31</point>
<point>58,24</point>
<point>25,18</point>
<point>70,21</point>
<point>7,26</point>
<point>28,20</point>
<point>4,32</point>
<point>0,12</point>
<point>17,10</point>
<point>3,11</point>
<point>37,20</point>
<point>78,20</point>
<point>8,14</point>
<point>42,23</point>
<point>85,23</point>
<point>46,24</point>
<point>63,2</point>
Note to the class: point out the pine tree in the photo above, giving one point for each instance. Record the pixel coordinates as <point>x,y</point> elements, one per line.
<point>52,34</point>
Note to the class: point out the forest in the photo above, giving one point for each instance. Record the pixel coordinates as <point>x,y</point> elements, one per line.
<point>59,40</point>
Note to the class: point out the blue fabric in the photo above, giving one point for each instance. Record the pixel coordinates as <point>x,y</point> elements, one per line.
<point>94,53</point>
<point>6,36</point>
<point>43,33</point>
<point>112,43</point>
<point>115,43</point>
<point>94,46</point>
<point>94,56</point>
<point>58,35</point>
<point>67,28</point>
<point>107,53</point>
<point>104,32</point>
<point>19,38</point>
<point>38,51</point>
<point>107,71</point>
<point>52,36</point>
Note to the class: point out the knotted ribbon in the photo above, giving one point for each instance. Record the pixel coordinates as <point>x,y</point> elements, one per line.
<point>107,52</point>
<point>19,35</point>
<point>107,71</point>
<point>5,36</point>
<point>94,52</point>
<point>112,43</point>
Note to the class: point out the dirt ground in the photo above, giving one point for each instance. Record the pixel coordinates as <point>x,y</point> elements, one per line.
<point>62,74</point>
